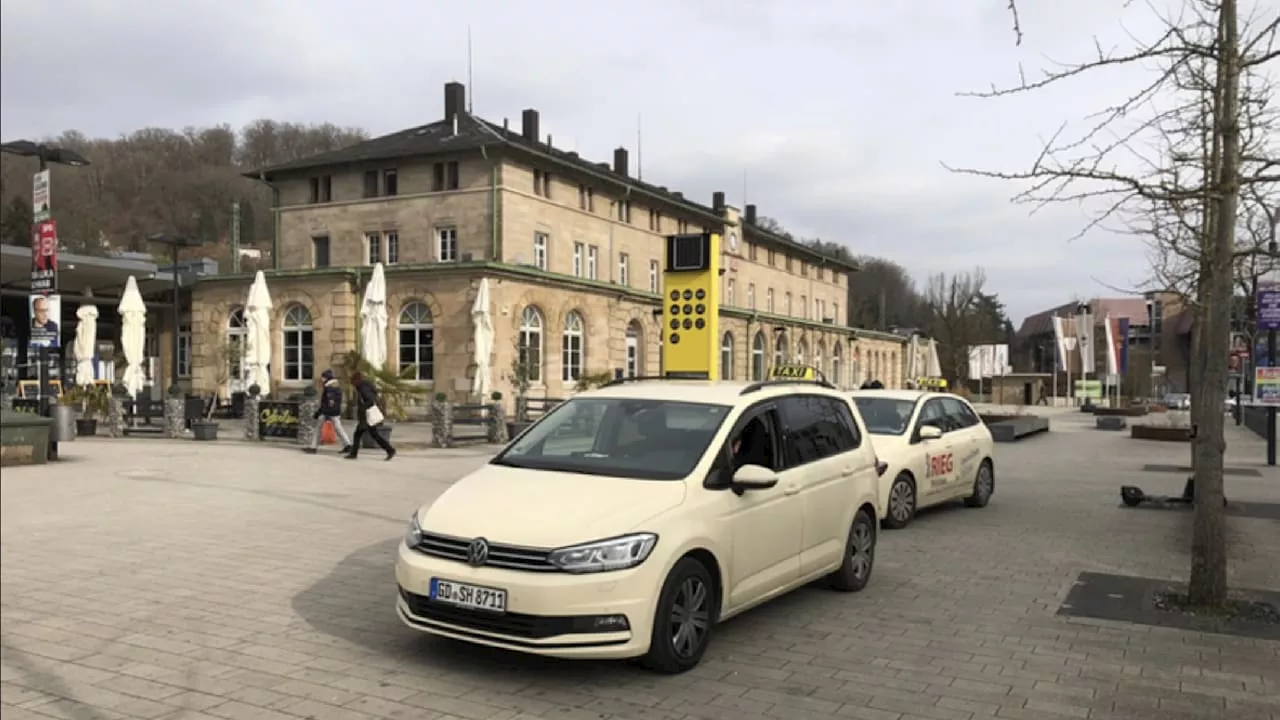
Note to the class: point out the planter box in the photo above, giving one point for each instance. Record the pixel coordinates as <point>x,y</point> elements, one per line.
<point>24,438</point>
<point>1159,432</point>
<point>86,427</point>
<point>1110,422</point>
<point>204,430</point>
<point>367,442</point>
<point>1135,411</point>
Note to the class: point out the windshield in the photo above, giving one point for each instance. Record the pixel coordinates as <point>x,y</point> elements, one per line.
<point>885,416</point>
<point>618,437</point>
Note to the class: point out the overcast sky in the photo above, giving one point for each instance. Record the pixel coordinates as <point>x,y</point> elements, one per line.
<point>838,115</point>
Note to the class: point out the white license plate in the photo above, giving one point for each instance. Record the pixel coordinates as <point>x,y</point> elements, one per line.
<point>469,596</point>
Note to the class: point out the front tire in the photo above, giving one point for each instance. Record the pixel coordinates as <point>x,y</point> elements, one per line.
<point>984,486</point>
<point>859,555</point>
<point>684,619</point>
<point>901,506</point>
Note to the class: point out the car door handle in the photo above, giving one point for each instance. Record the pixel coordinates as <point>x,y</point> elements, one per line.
<point>848,471</point>
<point>791,490</point>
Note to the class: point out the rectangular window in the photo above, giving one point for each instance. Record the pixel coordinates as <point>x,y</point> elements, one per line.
<point>654,276</point>
<point>822,273</point>
<point>373,248</point>
<point>437,177</point>
<point>542,184</point>
<point>371,183</point>
<point>320,251</point>
<point>315,190</point>
<point>540,250</point>
<point>393,247</point>
<point>655,221</point>
<point>447,244</point>
<point>789,308</point>
<point>624,211</point>
<point>804,269</point>
<point>326,188</point>
<point>579,252</point>
<point>773,258</point>
<point>835,313</point>
<point>624,269</point>
<point>390,183</point>
<point>789,264</point>
<point>751,296</point>
<point>583,203</point>
<point>453,179</point>
<point>804,306</point>
<point>729,293</point>
<point>753,252</point>
<point>593,263</point>
<point>299,352</point>
<point>591,200</point>
<point>768,300</point>
<point>184,348</point>
<point>682,226</point>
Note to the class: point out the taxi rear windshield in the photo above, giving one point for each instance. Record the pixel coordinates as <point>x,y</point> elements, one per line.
<point>618,437</point>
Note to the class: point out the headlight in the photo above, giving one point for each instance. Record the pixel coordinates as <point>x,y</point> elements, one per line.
<point>413,535</point>
<point>617,553</point>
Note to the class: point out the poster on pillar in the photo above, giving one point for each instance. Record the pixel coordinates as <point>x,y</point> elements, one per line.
<point>44,257</point>
<point>45,314</point>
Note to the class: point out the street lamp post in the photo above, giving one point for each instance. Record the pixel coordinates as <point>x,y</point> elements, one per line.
<point>45,154</point>
<point>175,243</point>
<point>1273,254</point>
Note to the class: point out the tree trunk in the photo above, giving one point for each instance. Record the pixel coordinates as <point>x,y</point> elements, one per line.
<point>1208,581</point>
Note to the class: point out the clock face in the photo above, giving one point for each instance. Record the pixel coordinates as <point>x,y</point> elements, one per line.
<point>733,241</point>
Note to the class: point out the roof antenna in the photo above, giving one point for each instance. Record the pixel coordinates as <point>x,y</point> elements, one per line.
<point>471,88</point>
<point>639,149</point>
<point>744,188</point>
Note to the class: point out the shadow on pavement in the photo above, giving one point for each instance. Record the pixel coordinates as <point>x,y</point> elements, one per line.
<point>355,603</point>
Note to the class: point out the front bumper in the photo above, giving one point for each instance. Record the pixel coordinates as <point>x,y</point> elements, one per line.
<point>548,613</point>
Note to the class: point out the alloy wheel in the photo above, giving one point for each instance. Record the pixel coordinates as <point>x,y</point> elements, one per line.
<point>690,617</point>
<point>861,548</point>
<point>901,501</point>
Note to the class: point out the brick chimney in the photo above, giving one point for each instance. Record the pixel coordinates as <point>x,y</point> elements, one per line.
<point>620,161</point>
<point>529,125</point>
<point>455,100</point>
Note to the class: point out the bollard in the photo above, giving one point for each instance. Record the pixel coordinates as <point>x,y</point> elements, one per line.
<point>496,423</point>
<point>307,421</point>
<point>251,417</point>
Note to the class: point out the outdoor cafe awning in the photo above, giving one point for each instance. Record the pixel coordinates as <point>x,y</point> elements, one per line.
<point>104,276</point>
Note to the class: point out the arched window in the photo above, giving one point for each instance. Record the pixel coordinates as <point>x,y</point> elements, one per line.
<point>802,351</point>
<point>726,357</point>
<point>417,332</point>
<point>571,357</point>
<point>299,344</point>
<point>530,344</point>
<point>237,344</point>
<point>757,357</point>
<point>635,349</point>
<point>780,350</point>
<point>836,377</point>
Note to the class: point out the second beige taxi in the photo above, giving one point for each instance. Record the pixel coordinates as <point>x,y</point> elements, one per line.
<point>936,447</point>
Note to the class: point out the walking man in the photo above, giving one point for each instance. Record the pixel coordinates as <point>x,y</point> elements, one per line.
<point>368,417</point>
<point>330,411</point>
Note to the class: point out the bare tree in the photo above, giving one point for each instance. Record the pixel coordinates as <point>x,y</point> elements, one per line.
<point>1106,167</point>
<point>957,319</point>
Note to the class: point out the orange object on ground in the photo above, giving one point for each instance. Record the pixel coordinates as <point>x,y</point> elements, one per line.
<point>328,436</point>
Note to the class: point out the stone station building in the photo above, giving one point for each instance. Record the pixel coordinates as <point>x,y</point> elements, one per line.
<point>572,250</point>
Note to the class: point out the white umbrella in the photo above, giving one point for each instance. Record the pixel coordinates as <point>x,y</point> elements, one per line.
<point>86,343</point>
<point>373,319</point>
<point>483,339</point>
<point>133,336</point>
<point>257,320</point>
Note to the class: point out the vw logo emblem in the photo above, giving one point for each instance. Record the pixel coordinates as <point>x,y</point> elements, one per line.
<point>478,552</point>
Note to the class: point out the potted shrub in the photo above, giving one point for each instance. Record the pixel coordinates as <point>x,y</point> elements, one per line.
<point>205,429</point>
<point>521,379</point>
<point>396,392</point>
<point>95,405</point>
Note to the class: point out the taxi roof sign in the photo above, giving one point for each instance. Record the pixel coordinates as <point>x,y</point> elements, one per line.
<point>793,372</point>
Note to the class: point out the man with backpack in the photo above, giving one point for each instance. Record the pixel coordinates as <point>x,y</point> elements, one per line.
<point>330,411</point>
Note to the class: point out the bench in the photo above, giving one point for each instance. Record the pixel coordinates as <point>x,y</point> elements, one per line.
<point>144,409</point>
<point>470,416</point>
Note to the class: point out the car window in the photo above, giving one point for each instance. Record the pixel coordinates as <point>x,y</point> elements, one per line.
<point>850,436</point>
<point>959,413</point>
<point>812,429</point>
<point>755,441</point>
<point>885,416</point>
<point>618,437</point>
<point>933,414</point>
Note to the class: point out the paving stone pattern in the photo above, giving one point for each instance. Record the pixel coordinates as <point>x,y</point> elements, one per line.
<point>226,581</point>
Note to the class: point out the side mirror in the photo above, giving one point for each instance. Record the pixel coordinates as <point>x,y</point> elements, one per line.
<point>753,477</point>
<point>930,432</point>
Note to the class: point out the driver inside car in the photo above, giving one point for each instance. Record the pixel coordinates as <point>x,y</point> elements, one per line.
<point>751,446</point>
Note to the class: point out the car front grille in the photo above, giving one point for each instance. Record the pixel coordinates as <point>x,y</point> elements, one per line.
<point>531,627</point>
<point>510,557</point>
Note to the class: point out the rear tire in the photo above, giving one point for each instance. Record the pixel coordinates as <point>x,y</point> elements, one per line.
<point>859,555</point>
<point>901,505</point>
<point>683,620</point>
<point>984,486</point>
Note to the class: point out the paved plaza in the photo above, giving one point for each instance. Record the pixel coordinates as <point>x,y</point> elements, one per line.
<point>225,581</point>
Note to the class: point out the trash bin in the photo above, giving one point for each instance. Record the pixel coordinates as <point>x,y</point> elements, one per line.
<point>64,424</point>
